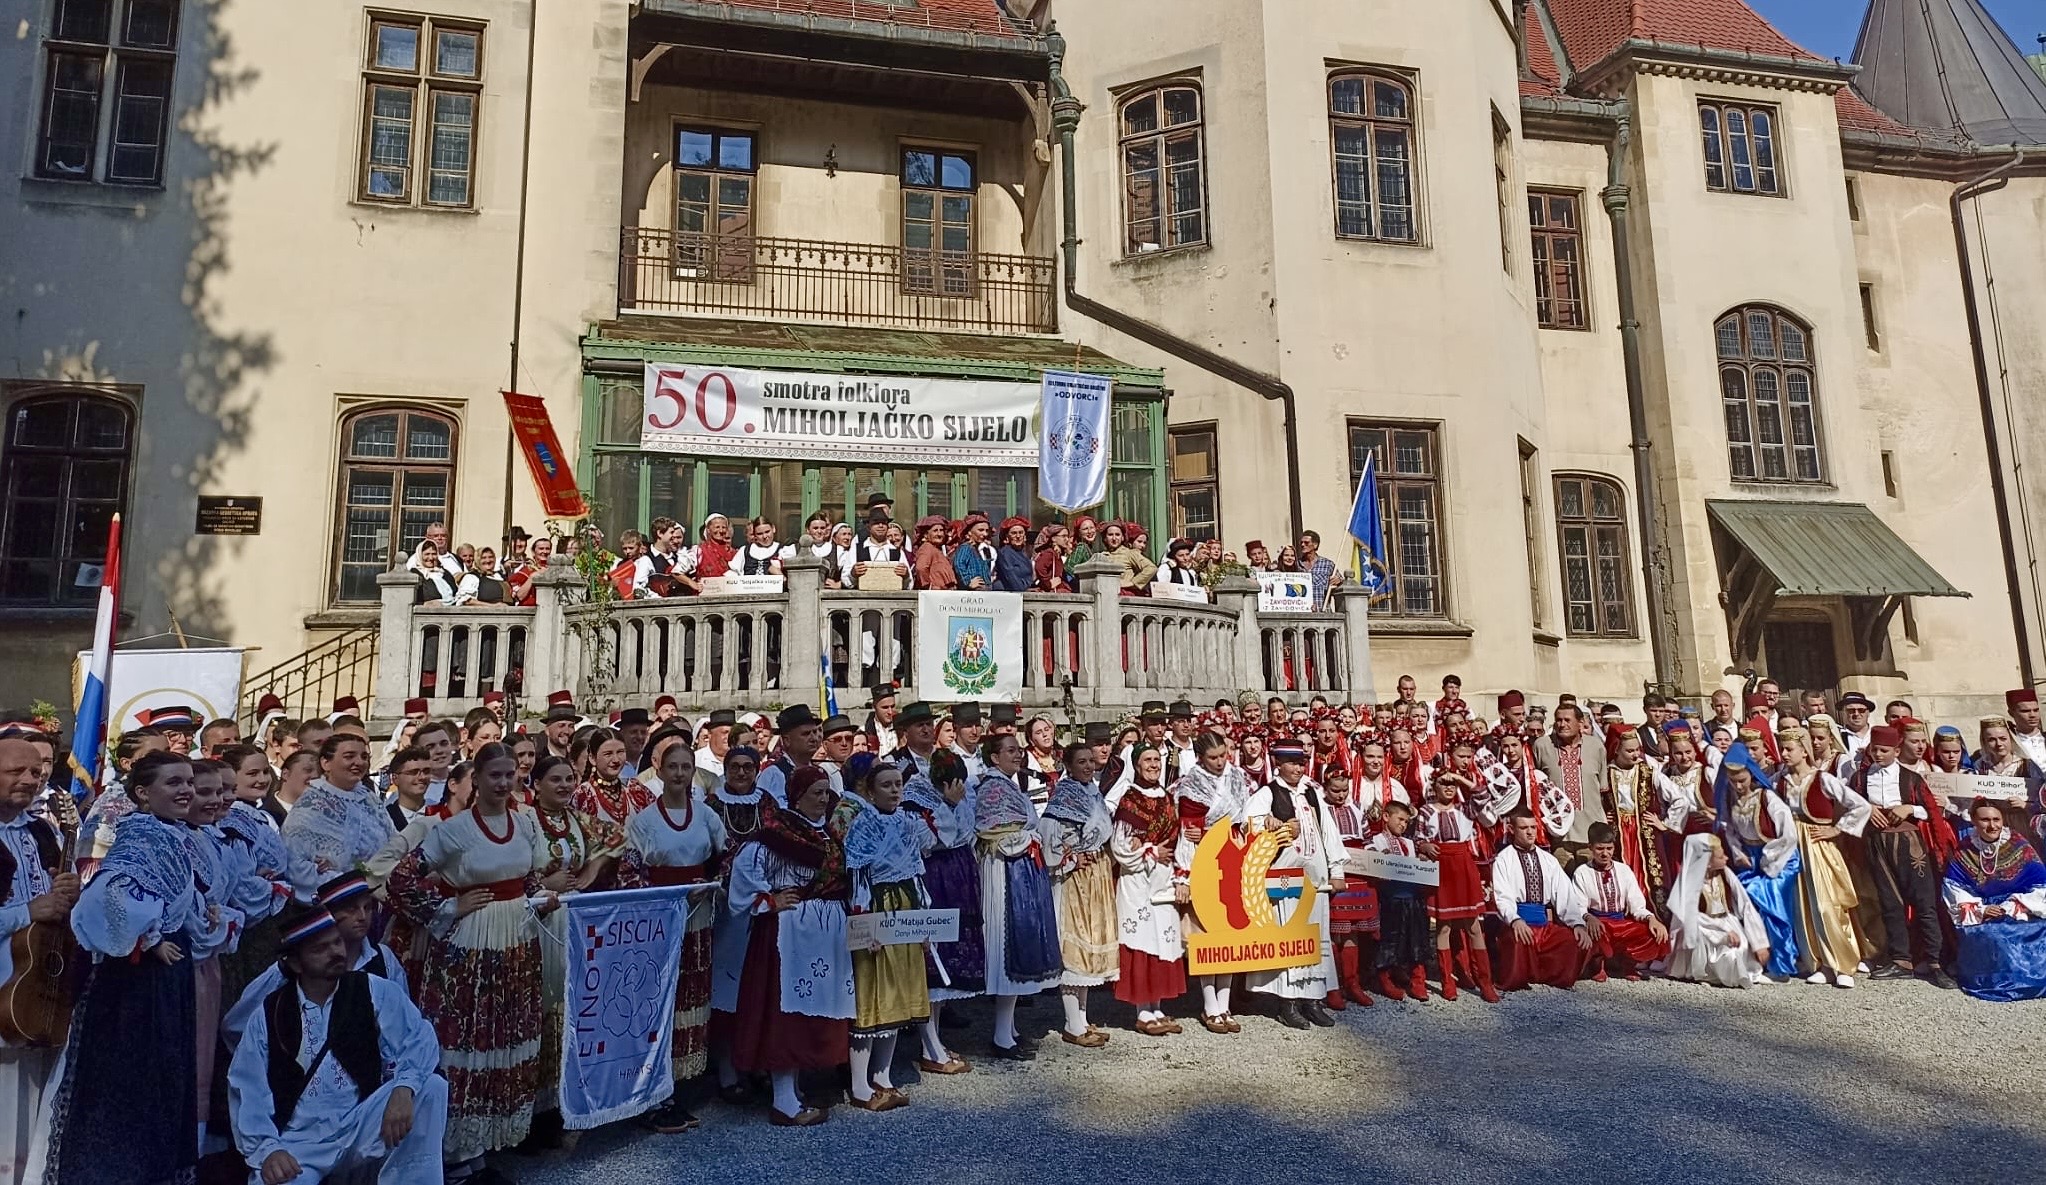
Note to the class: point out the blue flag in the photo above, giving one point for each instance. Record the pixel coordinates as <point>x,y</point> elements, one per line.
<point>1368,529</point>
<point>1072,468</point>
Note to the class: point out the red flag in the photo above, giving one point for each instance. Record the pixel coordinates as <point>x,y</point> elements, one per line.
<point>559,497</point>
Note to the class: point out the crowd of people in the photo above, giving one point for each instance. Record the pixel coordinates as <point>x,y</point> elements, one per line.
<point>325,949</point>
<point>934,552</point>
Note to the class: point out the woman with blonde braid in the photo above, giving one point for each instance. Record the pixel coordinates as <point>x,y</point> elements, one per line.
<point>1831,938</point>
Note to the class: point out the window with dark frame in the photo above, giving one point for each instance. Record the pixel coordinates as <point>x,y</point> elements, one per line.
<point>1371,128</point>
<point>1163,169</point>
<point>938,187</point>
<point>422,85</point>
<point>1409,504</point>
<point>1555,226</point>
<point>64,476</point>
<point>1740,148</point>
<point>714,172</point>
<point>1591,528</point>
<point>1769,388</point>
<point>106,101</point>
<point>397,478</point>
<point>1193,464</point>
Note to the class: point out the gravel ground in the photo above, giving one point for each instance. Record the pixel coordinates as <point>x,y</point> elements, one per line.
<point>1657,1081</point>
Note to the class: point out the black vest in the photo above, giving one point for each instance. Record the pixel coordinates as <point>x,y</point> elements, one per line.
<point>351,1042</point>
<point>48,848</point>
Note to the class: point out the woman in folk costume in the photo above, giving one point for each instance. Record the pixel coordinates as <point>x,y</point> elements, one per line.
<point>1016,901</point>
<point>1717,935</point>
<point>1448,832</point>
<point>1075,830</point>
<point>1631,800</point>
<point>680,841</point>
<point>1015,570</point>
<point>1290,805</point>
<point>1043,764</point>
<point>603,796</point>
<point>479,984</point>
<point>1251,759</point>
<point>1353,913</point>
<point>1762,845</point>
<point>1148,894</point>
<point>1995,892</point>
<point>253,835</point>
<point>1828,751</point>
<point>232,891</point>
<point>795,997</point>
<point>952,970</point>
<point>1829,932</point>
<point>883,851</point>
<point>1683,789</point>
<point>106,1122</point>
<point>1211,794</point>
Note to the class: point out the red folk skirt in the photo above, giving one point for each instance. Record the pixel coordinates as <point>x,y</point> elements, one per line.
<point>760,1036</point>
<point>1461,893</point>
<point>1148,979</point>
<point>1353,912</point>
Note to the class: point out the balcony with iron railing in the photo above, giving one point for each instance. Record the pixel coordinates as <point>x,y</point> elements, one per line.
<point>666,271</point>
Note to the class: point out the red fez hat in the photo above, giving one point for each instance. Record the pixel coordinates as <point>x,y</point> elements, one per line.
<point>493,697</point>
<point>1758,699</point>
<point>268,704</point>
<point>561,699</point>
<point>2023,695</point>
<point>347,704</point>
<point>1512,699</point>
<point>415,707</point>
<point>1886,736</point>
<point>665,701</point>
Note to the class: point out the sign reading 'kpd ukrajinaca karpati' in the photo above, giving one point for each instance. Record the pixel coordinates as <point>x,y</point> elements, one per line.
<point>1235,902</point>
<point>969,645</point>
<point>866,418</point>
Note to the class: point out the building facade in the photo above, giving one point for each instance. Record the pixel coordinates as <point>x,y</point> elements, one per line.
<point>1657,331</point>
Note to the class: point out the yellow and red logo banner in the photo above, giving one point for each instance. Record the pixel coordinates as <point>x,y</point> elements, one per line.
<point>1240,929</point>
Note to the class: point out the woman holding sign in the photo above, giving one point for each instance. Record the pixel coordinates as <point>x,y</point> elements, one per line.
<point>883,852</point>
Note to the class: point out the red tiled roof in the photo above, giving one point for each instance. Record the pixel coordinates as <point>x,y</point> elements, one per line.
<point>1543,76</point>
<point>1857,114</point>
<point>959,16</point>
<point>1593,29</point>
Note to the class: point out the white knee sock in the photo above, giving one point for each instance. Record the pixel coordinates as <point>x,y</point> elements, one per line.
<point>1075,1000</point>
<point>1211,1002</point>
<point>785,1100</point>
<point>1222,990</point>
<point>934,1045</point>
<point>882,1064</point>
<point>1005,1021</point>
<point>862,1058</point>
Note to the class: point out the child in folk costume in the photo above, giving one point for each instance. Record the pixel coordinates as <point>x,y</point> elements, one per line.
<point>1448,832</point>
<point>1403,947</point>
<point>1291,803</point>
<point>680,841</point>
<point>1353,914</point>
<point>795,997</point>
<point>1075,830</point>
<point>581,849</point>
<point>1211,794</point>
<point>883,851</point>
<point>1016,901</point>
<point>1148,893</point>
<point>1627,934</point>
<point>1631,799</point>
<point>1717,935</point>
<point>467,886</point>
<point>952,970</point>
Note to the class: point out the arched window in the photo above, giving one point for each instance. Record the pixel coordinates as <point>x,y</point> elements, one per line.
<point>1164,183</point>
<point>1768,383</point>
<point>397,478</point>
<point>1591,531</point>
<point>66,475</point>
<point>1371,124</point>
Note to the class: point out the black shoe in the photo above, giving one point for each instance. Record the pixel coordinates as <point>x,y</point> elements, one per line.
<point>1890,971</point>
<point>671,1118</point>
<point>951,1019</point>
<point>544,1136</point>
<point>488,1175</point>
<point>1290,1016</point>
<point>1939,978</point>
<point>1018,1052</point>
<point>1317,1013</point>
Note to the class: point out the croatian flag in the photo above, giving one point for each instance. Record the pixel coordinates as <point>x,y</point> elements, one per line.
<point>89,738</point>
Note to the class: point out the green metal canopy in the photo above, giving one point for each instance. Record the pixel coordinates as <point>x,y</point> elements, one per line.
<point>1828,549</point>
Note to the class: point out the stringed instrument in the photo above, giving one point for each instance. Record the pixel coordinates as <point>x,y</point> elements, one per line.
<point>35,1005</point>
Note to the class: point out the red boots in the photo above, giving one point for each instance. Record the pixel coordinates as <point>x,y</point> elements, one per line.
<point>1389,989</point>
<point>1347,970</point>
<point>1448,962</point>
<point>1481,970</point>
<point>1417,983</point>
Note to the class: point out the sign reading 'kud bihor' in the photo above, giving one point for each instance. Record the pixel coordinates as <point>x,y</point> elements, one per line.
<point>863,418</point>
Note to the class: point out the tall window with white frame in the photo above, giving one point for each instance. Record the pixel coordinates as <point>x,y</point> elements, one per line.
<point>1768,384</point>
<point>1194,471</point>
<point>397,478</point>
<point>1591,529</point>
<point>938,187</point>
<point>1409,502</point>
<point>1371,128</point>
<point>106,99</point>
<point>1555,227</point>
<point>64,475</point>
<point>422,86</point>
<point>1740,148</point>
<point>1165,186</point>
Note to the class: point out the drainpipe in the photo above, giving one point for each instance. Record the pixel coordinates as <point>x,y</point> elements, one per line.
<point>1654,568</point>
<point>518,315</point>
<point>1989,183</point>
<point>1065,119</point>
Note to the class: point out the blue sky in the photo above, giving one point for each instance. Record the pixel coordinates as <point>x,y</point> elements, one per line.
<point>1829,26</point>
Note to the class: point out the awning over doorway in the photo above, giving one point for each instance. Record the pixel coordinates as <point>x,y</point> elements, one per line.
<point>1829,549</point>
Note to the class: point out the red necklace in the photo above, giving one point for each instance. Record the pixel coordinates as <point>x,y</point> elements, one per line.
<point>511,825</point>
<point>547,823</point>
<point>688,813</point>
<point>617,809</point>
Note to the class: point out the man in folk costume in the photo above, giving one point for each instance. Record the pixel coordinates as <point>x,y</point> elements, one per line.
<point>918,727</point>
<point>336,1071</point>
<point>37,891</point>
<point>1628,934</point>
<point>802,734</point>
<point>1908,841</point>
<point>1630,799</point>
<point>968,726</point>
<point>1577,765</point>
<point>1178,749</point>
<point>1291,803</point>
<point>557,726</point>
<point>1542,936</point>
<point>2023,705</point>
<point>1512,715</point>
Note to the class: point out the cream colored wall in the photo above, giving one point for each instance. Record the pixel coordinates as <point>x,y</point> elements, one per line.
<point>253,297</point>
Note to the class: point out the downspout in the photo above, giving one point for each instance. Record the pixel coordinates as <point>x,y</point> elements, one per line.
<point>1654,568</point>
<point>1984,185</point>
<point>518,317</point>
<point>1065,120</point>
